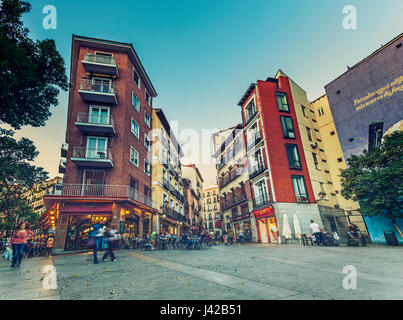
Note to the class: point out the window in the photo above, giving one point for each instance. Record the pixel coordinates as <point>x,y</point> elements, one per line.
<point>288,129</point>
<point>293,156</point>
<point>339,159</point>
<point>99,115</point>
<point>136,78</point>
<point>299,186</point>
<point>282,102</point>
<point>375,135</point>
<point>250,111</point>
<point>147,167</point>
<point>303,111</point>
<point>171,203</point>
<point>147,118</point>
<point>135,102</point>
<point>308,132</point>
<point>315,160</point>
<point>134,156</point>
<point>148,98</point>
<point>96,148</point>
<point>147,142</point>
<point>135,128</point>
<point>321,112</point>
<point>133,183</point>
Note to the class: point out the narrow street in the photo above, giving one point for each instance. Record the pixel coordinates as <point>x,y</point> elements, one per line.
<point>230,273</point>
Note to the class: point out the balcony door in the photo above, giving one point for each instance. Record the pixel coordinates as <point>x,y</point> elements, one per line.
<point>99,115</point>
<point>96,148</point>
<point>93,183</point>
<point>101,85</point>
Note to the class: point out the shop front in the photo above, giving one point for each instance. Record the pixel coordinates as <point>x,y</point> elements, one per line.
<point>241,222</point>
<point>168,225</point>
<point>266,224</point>
<point>131,225</point>
<point>80,221</point>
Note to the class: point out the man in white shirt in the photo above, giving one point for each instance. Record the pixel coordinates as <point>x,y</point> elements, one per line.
<point>316,231</point>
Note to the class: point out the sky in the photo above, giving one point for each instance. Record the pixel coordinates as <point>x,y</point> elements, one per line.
<point>202,55</point>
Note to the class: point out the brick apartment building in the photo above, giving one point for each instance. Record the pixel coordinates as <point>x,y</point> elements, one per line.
<point>278,171</point>
<point>108,159</point>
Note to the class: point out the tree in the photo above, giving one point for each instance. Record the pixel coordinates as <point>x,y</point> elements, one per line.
<point>17,175</point>
<point>31,73</point>
<point>31,76</point>
<point>374,179</point>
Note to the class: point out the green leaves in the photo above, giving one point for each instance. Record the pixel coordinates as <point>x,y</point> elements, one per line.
<point>31,73</point>
<point>374,179</point>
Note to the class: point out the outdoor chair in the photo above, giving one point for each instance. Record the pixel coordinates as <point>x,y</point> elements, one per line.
<point>306,240</point>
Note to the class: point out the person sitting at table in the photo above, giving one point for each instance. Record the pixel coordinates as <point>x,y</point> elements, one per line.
<point>354,231</point>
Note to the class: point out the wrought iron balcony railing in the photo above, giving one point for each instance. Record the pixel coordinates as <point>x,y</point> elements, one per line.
<point>96,58</point>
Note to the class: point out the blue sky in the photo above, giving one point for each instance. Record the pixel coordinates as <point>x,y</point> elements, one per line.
<point>202,55</point>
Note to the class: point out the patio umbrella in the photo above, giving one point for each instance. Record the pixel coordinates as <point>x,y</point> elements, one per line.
<point>297,227</point>
<point>286,228</point>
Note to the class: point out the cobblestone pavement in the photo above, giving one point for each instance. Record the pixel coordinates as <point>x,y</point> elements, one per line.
<point>228,273</point>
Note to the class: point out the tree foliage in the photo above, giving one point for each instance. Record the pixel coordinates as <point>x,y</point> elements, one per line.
<point>31,73</point>
<point>375,179</point>
<point>17,176</point>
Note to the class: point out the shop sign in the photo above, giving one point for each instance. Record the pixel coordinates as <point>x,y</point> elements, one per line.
<point>244,216</point>
<point>122,227</point>
<point>266,212</point>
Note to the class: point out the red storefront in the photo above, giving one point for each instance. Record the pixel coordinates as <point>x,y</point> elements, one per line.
<point>265,220</point>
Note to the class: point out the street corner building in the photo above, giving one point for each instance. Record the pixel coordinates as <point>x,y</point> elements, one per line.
<point>366,103</point>
<point>107,165</point>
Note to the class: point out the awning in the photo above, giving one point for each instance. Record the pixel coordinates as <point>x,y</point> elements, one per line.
<point>85,208</point>
<point>44,222</point>
<point>262,213</point>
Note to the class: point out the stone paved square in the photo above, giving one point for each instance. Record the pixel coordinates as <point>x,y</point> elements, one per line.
<point>250,272</point>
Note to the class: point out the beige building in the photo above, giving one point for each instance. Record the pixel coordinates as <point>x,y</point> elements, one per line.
<point>333,153</point>
<point>167,186</point>
<point>36,193</point>
<point>211,209</point>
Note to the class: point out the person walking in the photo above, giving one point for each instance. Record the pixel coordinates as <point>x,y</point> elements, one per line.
<point>231,237</point>
<point>95,240</point>
<point>111,238</point>
<point>316,231</point>
<point>241,236</point>
<point>18,242</point>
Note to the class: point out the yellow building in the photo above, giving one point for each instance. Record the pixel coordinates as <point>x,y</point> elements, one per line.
<point>167,186</point>
<point>194,194</point>
<point>332,149</point>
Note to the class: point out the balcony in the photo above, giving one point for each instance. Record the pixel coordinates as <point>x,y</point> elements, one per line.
<point>98,124</point>
<point>256,170</point>
<point>165,183</point>
<point>231,177</point>
<point>62,166</point>
<point>254,140</point>
<point>64,149</point>
<point>261,201</point>
<point>95,158</point>
<point>250,117</point>
<point>234,202</point>
<point>100,191</point>
<point>171,213</point>
<point>101,64</point>
<point>101,92</point>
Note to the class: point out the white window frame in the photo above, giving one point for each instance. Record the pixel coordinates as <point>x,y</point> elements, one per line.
<point>149,97</point>
<point>149,142</point>
<point>139,81</point>
<point>97,138</point>
<point>135,152</point>
<point>139,106</point>
<point>138,128</point>
<point>149,117</point>
<point>92,106</point>
<point>145,166</point>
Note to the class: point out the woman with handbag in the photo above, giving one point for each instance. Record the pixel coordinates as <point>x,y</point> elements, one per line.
<point>18,243</point>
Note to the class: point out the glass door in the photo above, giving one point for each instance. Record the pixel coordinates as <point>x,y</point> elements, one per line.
<point>101,85</point>
<point>96,148</point>
<point>99,115</point>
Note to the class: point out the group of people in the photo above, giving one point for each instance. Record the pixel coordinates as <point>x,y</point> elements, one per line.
<point>323,238</point>
<point>228,238</point>
<point>96,237</point>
